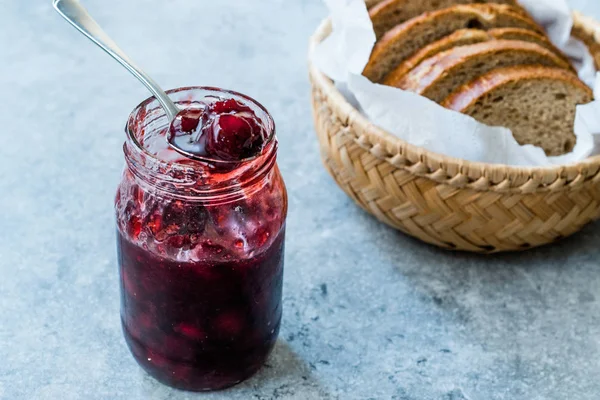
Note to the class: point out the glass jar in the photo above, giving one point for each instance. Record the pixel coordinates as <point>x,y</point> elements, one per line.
<point>200,254</point>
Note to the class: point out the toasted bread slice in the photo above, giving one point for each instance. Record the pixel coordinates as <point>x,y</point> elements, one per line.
<point>404,40</point>
<point>390,13</point>
<point>437,77</point>
<point>465,37</point>
<point>537,103</point>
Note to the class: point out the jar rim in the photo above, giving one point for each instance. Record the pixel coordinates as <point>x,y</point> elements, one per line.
<point>196,175</point>
<point>269,123</point>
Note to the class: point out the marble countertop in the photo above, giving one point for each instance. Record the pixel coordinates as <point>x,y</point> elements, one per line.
<point>368,312</point>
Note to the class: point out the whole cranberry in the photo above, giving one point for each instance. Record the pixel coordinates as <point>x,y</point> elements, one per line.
<point>225,130</point>
<point>234,137</point>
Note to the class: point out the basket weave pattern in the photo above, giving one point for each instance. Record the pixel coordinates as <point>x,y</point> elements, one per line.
<point>452,203</point>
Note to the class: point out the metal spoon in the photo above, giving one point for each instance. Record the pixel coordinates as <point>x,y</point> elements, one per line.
<point>74,12</point>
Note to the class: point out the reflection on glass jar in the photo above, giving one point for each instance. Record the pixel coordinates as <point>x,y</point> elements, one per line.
<point>200,254</point>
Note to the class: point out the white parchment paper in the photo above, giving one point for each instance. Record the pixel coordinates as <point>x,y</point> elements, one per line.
<point>422,122</point>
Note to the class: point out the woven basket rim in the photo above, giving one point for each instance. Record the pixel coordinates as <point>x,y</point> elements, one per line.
<point>442,168</point>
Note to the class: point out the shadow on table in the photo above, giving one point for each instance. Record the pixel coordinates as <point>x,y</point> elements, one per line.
<point>283,369</point>
<point>466,284</point>
<point>525,313</point>
<point>285,374</point>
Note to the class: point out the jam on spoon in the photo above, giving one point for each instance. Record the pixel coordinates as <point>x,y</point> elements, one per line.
<point>226,130</point>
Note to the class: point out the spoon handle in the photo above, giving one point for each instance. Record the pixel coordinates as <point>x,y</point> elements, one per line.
<point>74,12</point>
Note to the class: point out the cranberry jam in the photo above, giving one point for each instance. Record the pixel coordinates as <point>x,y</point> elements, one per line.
<point>201,244</point>
<point>225,129</point>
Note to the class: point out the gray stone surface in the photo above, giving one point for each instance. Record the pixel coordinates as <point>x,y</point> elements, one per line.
<point>369,313</point>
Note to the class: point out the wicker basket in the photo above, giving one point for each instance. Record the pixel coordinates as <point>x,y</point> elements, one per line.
<point>449,202</point>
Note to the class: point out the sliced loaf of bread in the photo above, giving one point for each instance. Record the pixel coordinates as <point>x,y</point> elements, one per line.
<point>537,103</point>
<point>437,77</point>
<point>465,37</point>
<point>390,13</point>
<point>404,40</point>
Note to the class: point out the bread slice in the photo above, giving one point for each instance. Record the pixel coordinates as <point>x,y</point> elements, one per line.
<point>527,35</point>
<point>390,13</point>
<point>405,39</point>
<point>461,37</point>
<point>438,76</point>
<point>581,32</point>
<point>537,103</point>
<point>464,37</point>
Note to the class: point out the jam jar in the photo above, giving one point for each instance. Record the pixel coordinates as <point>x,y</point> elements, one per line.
<point>200,250</point>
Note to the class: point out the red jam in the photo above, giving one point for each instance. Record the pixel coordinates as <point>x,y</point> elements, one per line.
<point>225,130</point>
<point>201,250</point>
